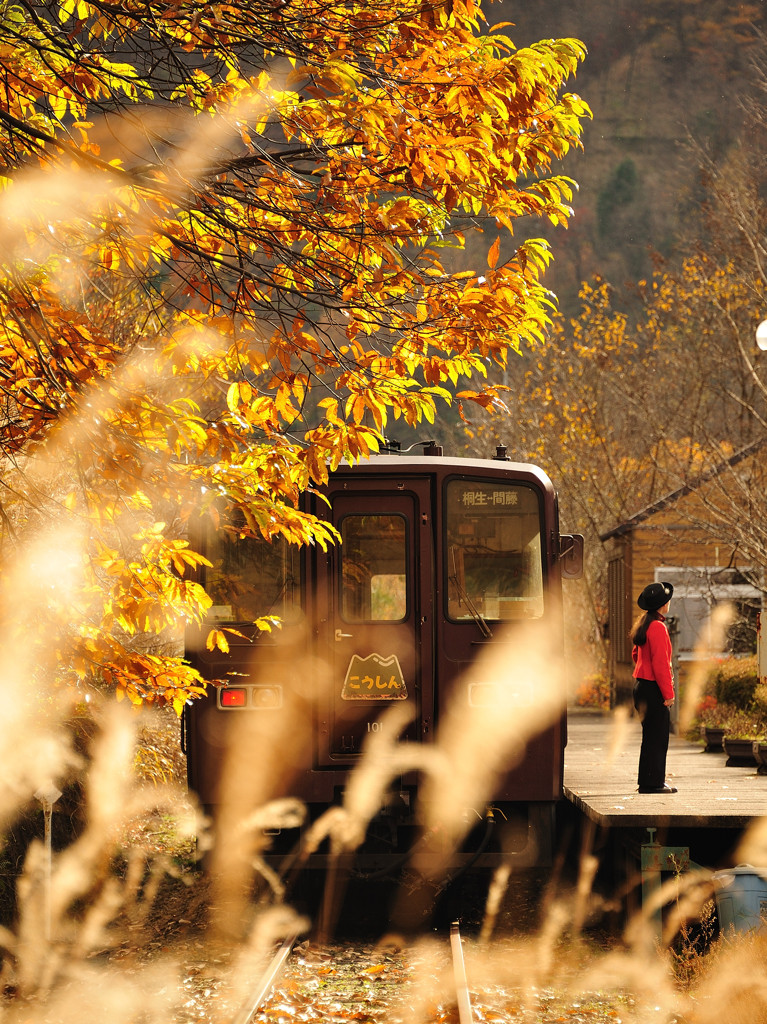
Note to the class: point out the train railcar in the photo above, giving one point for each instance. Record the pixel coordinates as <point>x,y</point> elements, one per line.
<point>439,560</point>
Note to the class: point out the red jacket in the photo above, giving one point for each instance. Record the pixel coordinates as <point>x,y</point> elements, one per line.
<point>653,659</point>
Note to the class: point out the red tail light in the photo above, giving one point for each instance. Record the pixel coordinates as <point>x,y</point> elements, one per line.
<point>233,697</point>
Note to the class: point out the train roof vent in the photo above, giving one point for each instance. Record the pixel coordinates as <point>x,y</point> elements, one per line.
<point>500,453</point>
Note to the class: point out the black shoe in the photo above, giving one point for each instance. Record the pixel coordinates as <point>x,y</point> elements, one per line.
<point>658,789</point>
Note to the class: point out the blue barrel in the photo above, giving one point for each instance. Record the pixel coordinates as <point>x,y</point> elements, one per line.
<point>741,899</point>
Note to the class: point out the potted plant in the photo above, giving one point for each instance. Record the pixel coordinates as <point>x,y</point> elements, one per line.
<point>760,745</point>
<point>759,748</point>
<point>712,717</point>
<point>741,730</point>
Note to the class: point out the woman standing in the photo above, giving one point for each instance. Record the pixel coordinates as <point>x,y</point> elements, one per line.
<point>654,687</point>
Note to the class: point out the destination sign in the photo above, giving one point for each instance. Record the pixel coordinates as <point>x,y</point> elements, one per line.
<point>475,498</point>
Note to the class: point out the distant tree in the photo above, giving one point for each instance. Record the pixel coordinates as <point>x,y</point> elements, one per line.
<point>222,230</point>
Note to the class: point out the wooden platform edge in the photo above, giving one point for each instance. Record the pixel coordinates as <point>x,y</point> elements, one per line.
<point>656,816</point>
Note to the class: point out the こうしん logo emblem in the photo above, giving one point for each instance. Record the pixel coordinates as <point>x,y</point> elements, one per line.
<point>374,678</point>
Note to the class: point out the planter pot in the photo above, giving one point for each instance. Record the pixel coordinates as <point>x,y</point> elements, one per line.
<point>760,756</point>
<point>740,753</point>
<point>712,737</point>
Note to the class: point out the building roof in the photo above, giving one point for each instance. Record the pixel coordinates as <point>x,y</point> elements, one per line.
<point>669,499</point>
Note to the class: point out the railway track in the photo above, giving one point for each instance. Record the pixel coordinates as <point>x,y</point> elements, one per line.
<point>266,983</point>
<point>256,1006</point>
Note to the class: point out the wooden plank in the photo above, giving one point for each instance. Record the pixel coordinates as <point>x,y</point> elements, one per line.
<point>601,770</point>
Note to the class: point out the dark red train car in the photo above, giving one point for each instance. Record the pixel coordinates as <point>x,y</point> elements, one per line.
<point>441,562</point>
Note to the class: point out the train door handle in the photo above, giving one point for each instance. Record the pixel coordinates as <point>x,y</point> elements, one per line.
<point>342,636</point>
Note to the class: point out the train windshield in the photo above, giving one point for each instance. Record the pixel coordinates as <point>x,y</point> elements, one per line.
<point>251,577</point>
<point>373,568</point>
<point>494,562</point>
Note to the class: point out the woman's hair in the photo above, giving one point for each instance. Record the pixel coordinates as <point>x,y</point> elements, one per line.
<point>638,634</point>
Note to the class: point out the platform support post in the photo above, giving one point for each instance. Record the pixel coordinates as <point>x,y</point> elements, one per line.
<point>655,859</point>
<point>650,864</point>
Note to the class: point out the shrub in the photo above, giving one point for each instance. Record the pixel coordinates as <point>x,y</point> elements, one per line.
<point>594,692</point>
<point>760,699</point>
<point>744,725</point>
<point>735,680</point>
<point>707,706</point>
<point>713,714</point>
<point>158,755</point>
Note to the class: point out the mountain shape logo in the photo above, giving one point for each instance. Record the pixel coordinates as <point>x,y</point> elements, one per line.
<point>374,678</point>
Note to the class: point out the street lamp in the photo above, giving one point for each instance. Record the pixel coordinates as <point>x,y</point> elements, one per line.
<point>761,336</point>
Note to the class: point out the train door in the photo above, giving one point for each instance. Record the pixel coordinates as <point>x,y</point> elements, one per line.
<point>376,614</point>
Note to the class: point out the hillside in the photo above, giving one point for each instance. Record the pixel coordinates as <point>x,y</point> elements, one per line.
<point>657,73</point>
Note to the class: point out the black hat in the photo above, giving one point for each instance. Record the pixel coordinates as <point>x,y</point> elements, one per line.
<point>655,596</point>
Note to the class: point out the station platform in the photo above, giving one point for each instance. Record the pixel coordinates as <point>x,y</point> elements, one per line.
<point>600,776</point>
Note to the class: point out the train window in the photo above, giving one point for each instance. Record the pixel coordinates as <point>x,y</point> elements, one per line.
<point>494,561</point>
<point>251,576</point>
<point>373,568</point>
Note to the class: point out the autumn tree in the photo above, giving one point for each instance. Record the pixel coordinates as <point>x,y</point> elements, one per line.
<point>223,271</point>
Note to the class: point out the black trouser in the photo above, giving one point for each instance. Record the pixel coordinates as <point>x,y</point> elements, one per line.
<point>656,721</point>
